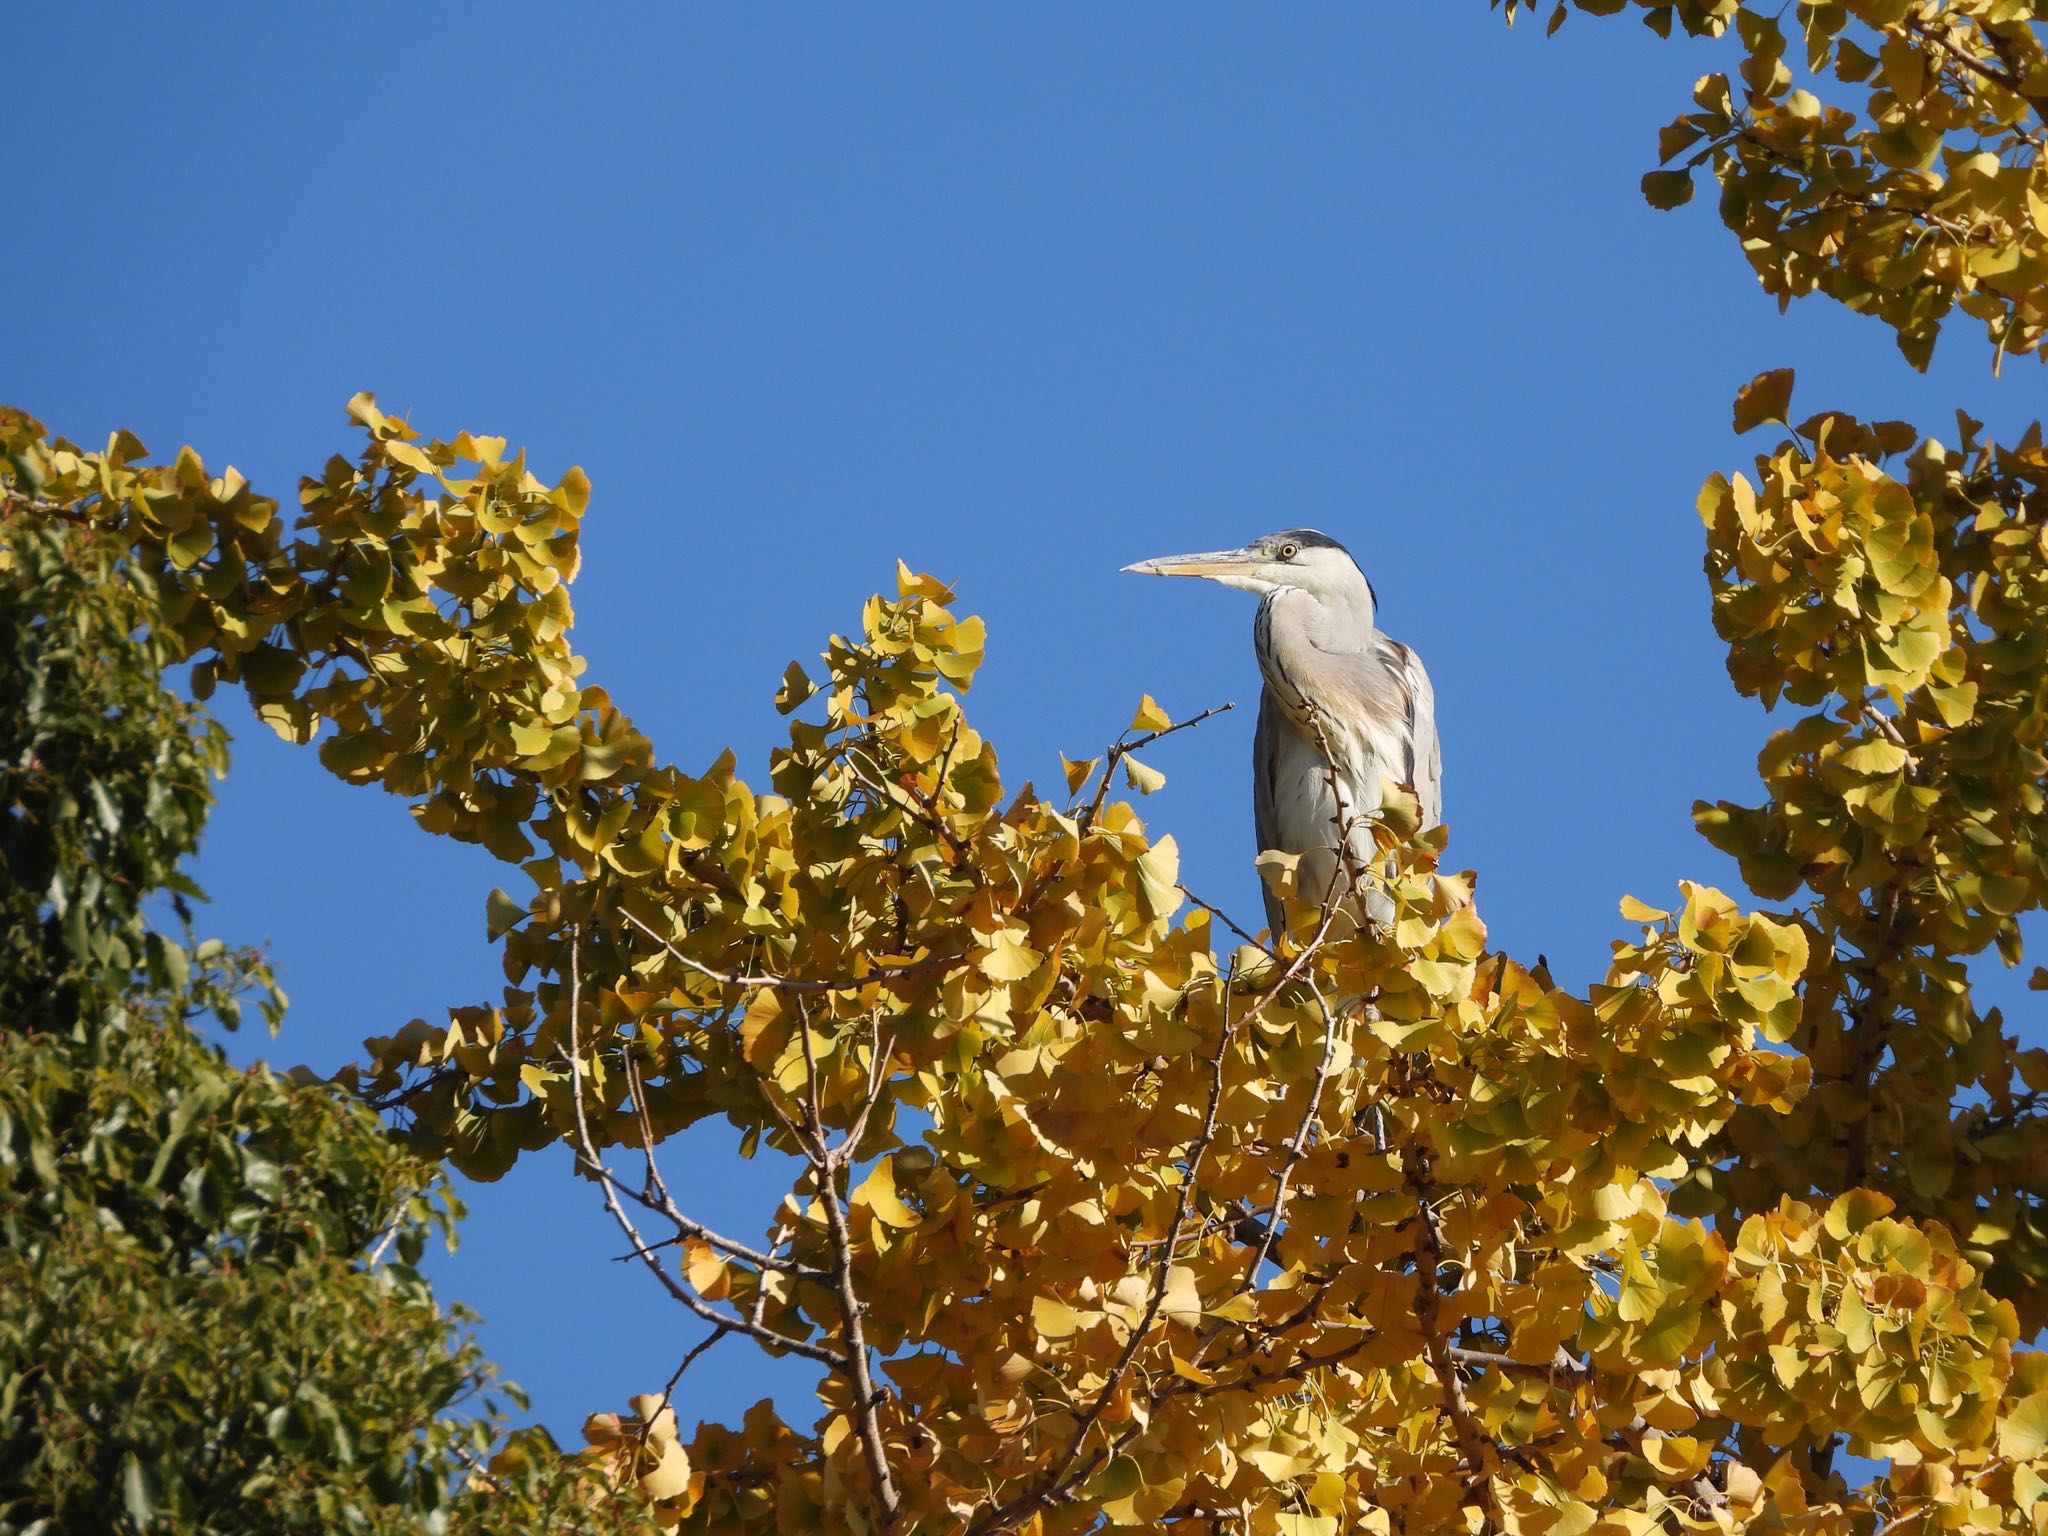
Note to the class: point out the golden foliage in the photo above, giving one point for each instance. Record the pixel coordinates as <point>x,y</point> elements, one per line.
<point>1904,608</point>
<point>1886,153</point>
<point>1092,1219</point>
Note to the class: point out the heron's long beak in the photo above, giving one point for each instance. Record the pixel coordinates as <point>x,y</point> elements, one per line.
<point>1213,563</point>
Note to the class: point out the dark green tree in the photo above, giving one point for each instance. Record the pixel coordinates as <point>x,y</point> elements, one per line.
<point>210,1314</point>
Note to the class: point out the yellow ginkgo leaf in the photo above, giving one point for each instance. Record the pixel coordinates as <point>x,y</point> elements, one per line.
<point>1142,778</point>
<point>878,1192</point>
<point>1149,716</point>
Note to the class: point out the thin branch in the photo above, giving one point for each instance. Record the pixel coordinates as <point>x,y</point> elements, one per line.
<point>1290,1373</point>
<point>389,1234</point>
<point>668,1391</point>
<point>1298,1147</point>
<point>1300,962</point>
<point>587,1158</point>
<point>1227,920</point>
<point>2006,79</point>
<point>2022,1109</point>
<point>1889,729</point>
<point>663,1202</point>
<point>43,506</point>
<point>878,1078</point>
<point>785,983</point>
<point>934,813</point>
<point>1873,1016</point>
<point>1262,1343</point>
<point>826,1170</point>
<point>1121,749</point>
<point>1431,1253</point>
<point>731,1250</point>
<point>1283,1375</point>
<point>1962,233</point>
<point>412,1090</point>
<point>1561,1364</point>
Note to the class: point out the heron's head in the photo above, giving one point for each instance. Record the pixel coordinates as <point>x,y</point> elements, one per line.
<point>1293,557</point>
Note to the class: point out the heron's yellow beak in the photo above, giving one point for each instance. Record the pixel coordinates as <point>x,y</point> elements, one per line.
<point>1213,563</point>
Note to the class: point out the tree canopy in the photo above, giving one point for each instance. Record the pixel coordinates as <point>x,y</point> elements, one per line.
<point>214,1322</point>
<point>1104,1212</point>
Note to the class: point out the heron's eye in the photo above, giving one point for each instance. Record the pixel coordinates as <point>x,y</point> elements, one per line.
<point>1289,551</point>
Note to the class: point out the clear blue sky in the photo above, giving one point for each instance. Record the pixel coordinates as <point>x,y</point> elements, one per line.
<point>1019,294</point>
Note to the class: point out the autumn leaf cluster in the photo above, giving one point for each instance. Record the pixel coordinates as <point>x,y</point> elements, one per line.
<point>1885,153</point>
<point>1102,1211</point>
<point>1096,1213</point>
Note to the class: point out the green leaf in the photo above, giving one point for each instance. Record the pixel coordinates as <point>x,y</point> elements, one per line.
<point>190,544</point>
<point>501,915</point>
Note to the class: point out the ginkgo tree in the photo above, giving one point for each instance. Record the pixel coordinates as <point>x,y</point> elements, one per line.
<point>1099,1214</point>
<point>1102,1211</point>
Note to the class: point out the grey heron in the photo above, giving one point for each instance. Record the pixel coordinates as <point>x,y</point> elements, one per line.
<point>1320,650</point>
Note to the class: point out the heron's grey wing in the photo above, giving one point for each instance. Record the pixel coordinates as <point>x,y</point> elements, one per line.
<point>1265,805</point>
<point>1423,751</point>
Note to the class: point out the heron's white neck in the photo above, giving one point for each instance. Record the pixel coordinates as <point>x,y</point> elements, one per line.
<point>1340,622</point>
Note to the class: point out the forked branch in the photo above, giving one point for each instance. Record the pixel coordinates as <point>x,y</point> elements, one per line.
<point>587,1158</point>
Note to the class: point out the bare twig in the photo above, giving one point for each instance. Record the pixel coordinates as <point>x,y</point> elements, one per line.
<point>689,1359</point>
<point>745,1255</point>
<point>1560,1364</point>
<point>1227,920</point>
<point>662,1201</point>
<point>1889,729</point>
<point>588,1159</point>
<point>826,1170</point>
<point>1121,749</point>
<point>878,1078</point>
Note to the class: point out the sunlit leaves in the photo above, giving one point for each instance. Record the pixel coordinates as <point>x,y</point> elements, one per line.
<point>214,1317</point>
<point>1135,1226</point>
<point>1885,154</point>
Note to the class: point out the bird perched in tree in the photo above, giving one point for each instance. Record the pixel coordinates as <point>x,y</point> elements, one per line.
<point>1320,651</point>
